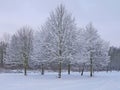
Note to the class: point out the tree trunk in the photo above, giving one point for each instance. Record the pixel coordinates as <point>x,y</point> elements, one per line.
<point>82,69</point>
<point>25,64</point>
<point>25,71</point>
<point>25,67</point>
<point>79,69</point>
<point>69,68</point>
<point>107,69</point>
<point>59,73</point>
<point>42,68</point>
<point>91,66</point>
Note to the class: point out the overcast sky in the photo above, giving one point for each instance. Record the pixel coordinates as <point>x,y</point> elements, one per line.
<point>104,14</point>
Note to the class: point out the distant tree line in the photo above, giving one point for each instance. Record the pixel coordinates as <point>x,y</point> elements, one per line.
<point>114,54</point>
<point>58,45</point>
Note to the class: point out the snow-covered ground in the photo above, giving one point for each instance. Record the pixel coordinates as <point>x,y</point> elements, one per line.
<point>35,81</point>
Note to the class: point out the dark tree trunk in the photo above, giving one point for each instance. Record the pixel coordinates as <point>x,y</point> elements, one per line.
<point>79,69</point>
<point>25,71</point>
<point>59,73</point>
<point>42,68</point>
<point>82,72</point>
<point>25,67</point>
<point>25,64</point>
<point>83,69</point>
<point>69,68</point>
<point>91,66</point>
<point>107,69</point>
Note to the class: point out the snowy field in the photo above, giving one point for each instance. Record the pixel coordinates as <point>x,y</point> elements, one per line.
<point>35,81</point>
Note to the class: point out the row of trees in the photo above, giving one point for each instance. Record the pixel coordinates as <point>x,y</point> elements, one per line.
<point>58,41</point>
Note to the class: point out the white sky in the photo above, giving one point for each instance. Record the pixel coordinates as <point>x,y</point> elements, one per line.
<point>105,15</point>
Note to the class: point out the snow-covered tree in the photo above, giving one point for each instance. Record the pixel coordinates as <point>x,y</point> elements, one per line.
<point>3,46</point>
<point>81,55</point>
<point>26,42</point>
<point>97,48</point>
<point>13,55</point>
<point>39,58</point>
<point>20,48</point>
<point>58,36</point>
